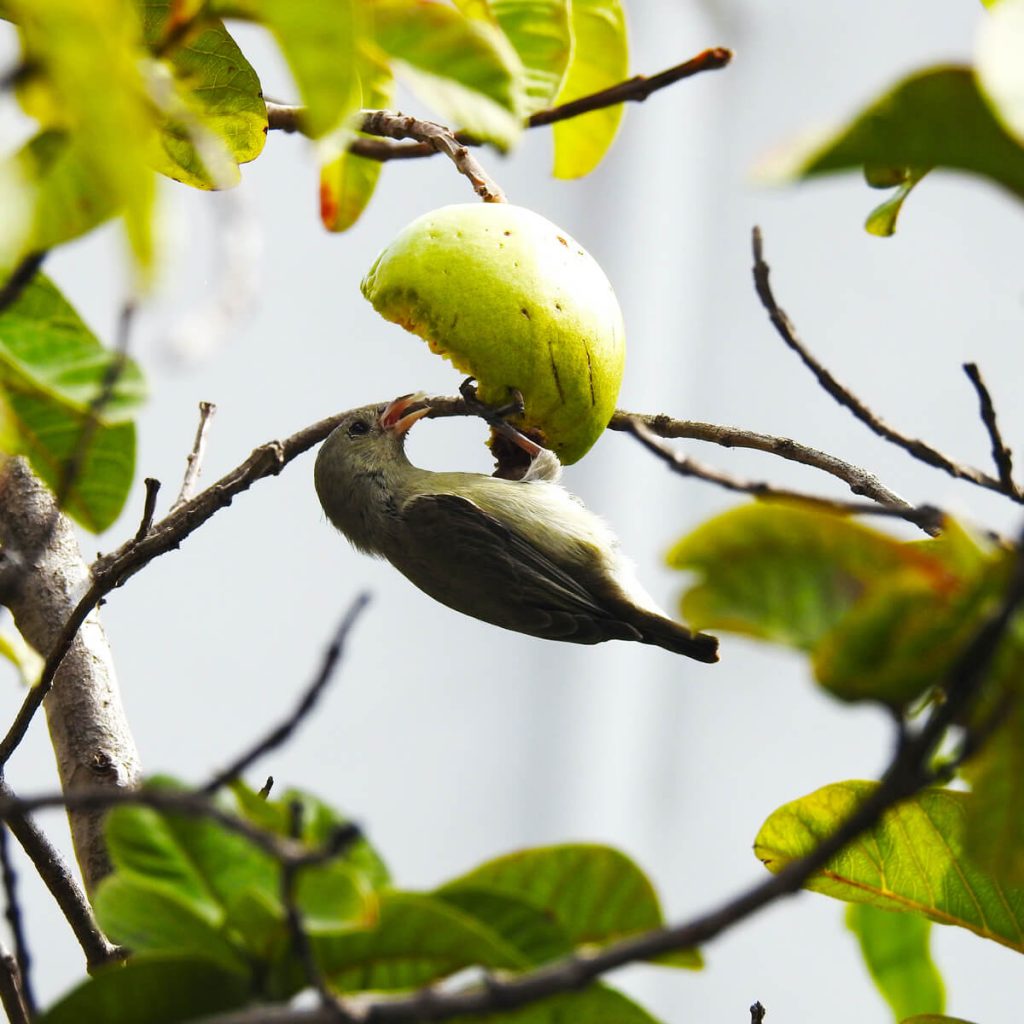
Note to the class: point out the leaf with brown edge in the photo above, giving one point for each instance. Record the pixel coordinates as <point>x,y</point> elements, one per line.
<point>914,860</point>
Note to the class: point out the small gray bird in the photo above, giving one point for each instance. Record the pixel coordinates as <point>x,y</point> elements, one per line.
<point>522,554</point>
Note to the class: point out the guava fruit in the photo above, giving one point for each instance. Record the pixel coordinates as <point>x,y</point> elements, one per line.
<point>514,301</point>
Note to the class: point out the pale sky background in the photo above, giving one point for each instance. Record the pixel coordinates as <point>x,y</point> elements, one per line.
<point>452,741</point>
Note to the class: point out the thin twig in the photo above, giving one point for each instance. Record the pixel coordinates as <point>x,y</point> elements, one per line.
<point>397,126</point>
<point>149,508</point>
<point>57,877</point>
<point>195,457</point>
<point>288,118</point>
<point>12,911</point>
<point>927,517</point>
<point>915,447</point>
<point>10,988</point>
<point>282,733</point>
<point>757,1013</point>
<point>1001,454</point>
<point>20,278</point>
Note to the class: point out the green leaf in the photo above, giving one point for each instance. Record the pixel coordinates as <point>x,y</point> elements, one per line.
<point>913,860</point>
<point>998,66</point>
<point>217,93</point>
<point>786,573</point>
<point>462,67</point>
<point>934,118</point>
<point>934,1018</point>
<point>89,83</point>
<point>896,950</point>
<point>51,369</point>
<point>320,822</point>
<point>881,220</point>
<point>600,58</point>
<point>152,990</point>
<point>348,181</point>
<point>418,940</point>
<point>995,823</point>
<point>147,918</point>
<point>905,635</point>
<point>598,1004</point>
<point>595,894</point>
<point>319,42</point>
<point>541,32</point>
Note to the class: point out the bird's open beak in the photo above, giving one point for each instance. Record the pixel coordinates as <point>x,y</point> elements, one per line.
<point>397,419</point>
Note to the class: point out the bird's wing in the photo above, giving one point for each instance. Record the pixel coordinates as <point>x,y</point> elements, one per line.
<point>470,561</point>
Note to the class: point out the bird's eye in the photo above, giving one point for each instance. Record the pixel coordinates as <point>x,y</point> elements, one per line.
<point>358,428</point>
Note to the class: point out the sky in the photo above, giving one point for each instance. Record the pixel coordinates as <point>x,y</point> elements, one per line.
<point>449,740</point>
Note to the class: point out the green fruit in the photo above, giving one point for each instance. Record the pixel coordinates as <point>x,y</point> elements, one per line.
<point>516,302</point>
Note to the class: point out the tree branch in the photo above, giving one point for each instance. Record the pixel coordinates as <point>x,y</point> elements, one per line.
<point>10,988</point>
<point>288,118</point>
<point>195,457</point>
<point>20,278</point>
<point>919,449</point>
<point>12,911</point>
<point>65,890</point>
<point>1001,454</point>
<point>926,517</point>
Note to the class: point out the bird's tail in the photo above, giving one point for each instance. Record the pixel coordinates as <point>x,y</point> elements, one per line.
<point>663,632</point>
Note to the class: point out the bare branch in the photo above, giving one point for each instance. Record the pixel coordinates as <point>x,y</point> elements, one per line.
<point>65,890</point>
<point>1001,454</point>
<point>919,449</point>
<point>21,278</point>
<point>926,517</point>
<point>195,457</point>
<point>12,911</point>
<point>757,1013</point>
<point>396,126</point>
<point>283,732</point>
<point>288,118</point>
<point>10,988</point>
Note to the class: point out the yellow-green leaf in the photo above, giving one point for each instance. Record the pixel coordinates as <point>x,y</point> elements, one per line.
<point>934,118</point>
<point>541,33</point>
<point>348,181</point>
<point>914,860</point>
<point>463,67</point>
<point>788,573</point>
<point>600,58</point>
<point>897,953</point>
<point>88,82</point>
<point>882,219</point>
<point>23,657</point>
<point>216,92</point>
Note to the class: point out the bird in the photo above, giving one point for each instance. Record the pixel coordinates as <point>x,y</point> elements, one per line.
<point>524,554</point>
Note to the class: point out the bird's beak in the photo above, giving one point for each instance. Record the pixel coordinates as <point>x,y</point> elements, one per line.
<point>397,420</point>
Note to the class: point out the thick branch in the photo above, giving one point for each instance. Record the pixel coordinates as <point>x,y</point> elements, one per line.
<point>88,727</point>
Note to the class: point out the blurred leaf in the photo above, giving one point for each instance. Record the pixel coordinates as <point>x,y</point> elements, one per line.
<point>998,65</point>
<point>23,657</point>
<point>89,83</point>
<point>147,918</point>
<point>418,940</point>
<point>881,220</point>
<point>347,181</point>
<point>786,573</point>
<point>995,822</point>
<point>600,58</point>
<point>598,1004</point>
<point>218,94</point>
<point>462,67</point>
<point>541,33</point>
<point>152,990</point>
<point>896,950</point>
<point>905,635</point>
<point>934,1018</point>
<point>320,822</point>
<point>595,894</point>
<point>51,369</point>
<point>935,118</point>
<point>913,860</point>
